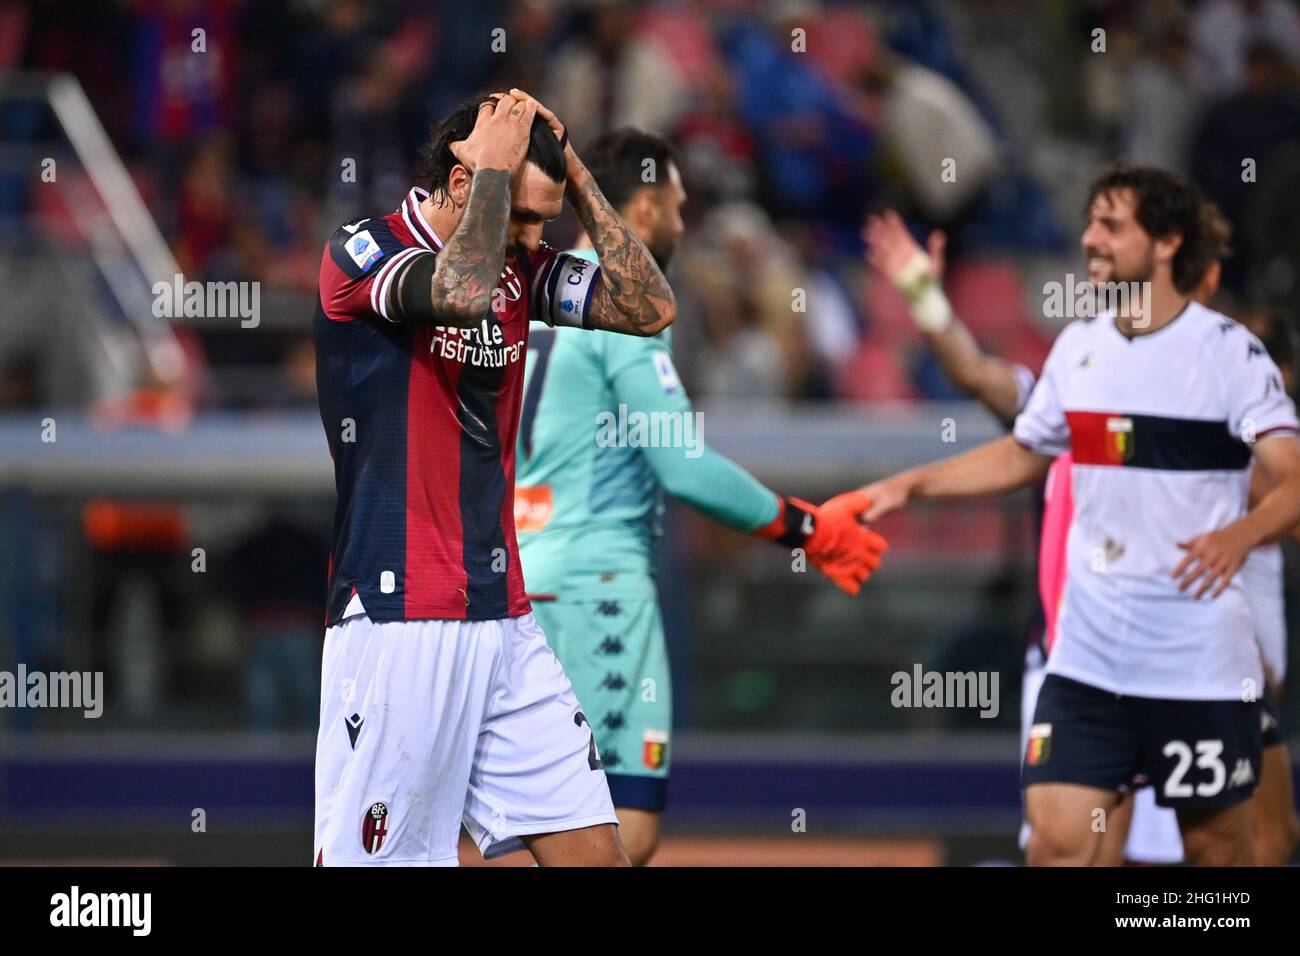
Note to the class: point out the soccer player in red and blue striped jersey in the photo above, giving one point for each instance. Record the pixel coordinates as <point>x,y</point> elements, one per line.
<point>441,702</point>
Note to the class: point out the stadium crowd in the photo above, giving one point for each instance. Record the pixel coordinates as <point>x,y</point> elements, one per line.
<point>793,118</point>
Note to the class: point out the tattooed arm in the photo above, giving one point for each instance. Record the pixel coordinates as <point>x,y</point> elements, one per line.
<point>632,296</point>
<point>469,265</point>
<point>457,290</point>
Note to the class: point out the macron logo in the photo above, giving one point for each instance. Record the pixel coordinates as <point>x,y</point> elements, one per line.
<point>103,909</point>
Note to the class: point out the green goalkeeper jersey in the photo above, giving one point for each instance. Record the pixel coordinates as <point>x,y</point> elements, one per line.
<point>606,429</point>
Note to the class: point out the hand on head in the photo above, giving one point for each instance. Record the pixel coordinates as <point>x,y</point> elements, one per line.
<point>500,136</point>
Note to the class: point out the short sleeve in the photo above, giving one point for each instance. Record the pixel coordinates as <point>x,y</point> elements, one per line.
<point>1042,426</point>
<point>357,270</point>
<point>562,287</point>
<point>1257,400</point>
<point>1025,382</point>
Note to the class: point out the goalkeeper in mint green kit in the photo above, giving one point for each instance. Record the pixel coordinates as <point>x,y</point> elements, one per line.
<point>598,411</point>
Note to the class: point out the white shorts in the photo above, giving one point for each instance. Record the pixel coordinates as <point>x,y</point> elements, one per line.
<point>426,725</point>
<point>1153,836</point>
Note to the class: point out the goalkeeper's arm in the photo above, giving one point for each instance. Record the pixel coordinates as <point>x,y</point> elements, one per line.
<point>719,488</point>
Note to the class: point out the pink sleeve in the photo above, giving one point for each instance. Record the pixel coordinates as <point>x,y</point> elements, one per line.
<point>1058,510</point>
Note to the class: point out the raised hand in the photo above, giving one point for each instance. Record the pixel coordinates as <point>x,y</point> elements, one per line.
<point>896,255</point>
<point>551,119</point>
<point>499,139</point>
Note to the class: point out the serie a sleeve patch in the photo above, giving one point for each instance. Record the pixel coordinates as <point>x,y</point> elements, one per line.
<point>663,362</point>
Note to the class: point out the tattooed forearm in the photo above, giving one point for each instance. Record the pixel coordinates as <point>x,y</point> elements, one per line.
<point>634,297</point>
<point>469,265</point>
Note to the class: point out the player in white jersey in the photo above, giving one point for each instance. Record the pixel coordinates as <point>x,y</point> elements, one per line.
<point>1141,832</point>
<point>1137,830</point>
<point>1162,403</point>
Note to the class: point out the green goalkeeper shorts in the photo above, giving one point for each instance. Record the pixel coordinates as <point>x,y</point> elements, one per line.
<point>614,653</point>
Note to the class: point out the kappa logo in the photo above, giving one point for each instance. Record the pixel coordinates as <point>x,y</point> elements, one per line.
<point>374,827</point>
<point>609,609</point>
<point>611,645</point>
<point>613,720</point>
<point>613,681</point>
<point>1243,774</point>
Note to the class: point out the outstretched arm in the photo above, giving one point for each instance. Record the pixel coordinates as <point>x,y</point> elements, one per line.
<point>991,469</point>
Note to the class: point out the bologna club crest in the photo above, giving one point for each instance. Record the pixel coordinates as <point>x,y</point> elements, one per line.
<point>510,286</point>
<point>374,827</point>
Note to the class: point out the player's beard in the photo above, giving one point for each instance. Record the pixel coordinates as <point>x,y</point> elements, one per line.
<point>1142,273</point>
<point>661,249</point>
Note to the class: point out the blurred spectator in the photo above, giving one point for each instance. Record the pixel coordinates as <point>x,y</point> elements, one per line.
<point>1264,116</point>
<point>717,149</point>
<point>277,579</point>
<point>754,295</point>
<point>370,154</point>
<point>813,148</point>
<point>20,385</point>
<point>608,76</point>
<point>939,146</point>
<point>1162,99</point>
<point>1224,31</point>
<point>206,213</point>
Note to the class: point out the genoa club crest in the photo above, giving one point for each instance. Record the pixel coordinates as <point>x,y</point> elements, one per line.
<point>1119,438</point>
<point>1040,745</point>
<point>654,749</point>
<point>374,827</point>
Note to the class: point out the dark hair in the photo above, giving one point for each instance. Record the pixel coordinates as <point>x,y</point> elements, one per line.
<point>1218,232</point>
<point>1167,204</point>
<point>1280,339</point>
<point>616,160</point>
<point>437,159</point>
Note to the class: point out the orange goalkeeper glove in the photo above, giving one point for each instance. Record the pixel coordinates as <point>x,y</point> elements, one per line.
<point>835,543</point>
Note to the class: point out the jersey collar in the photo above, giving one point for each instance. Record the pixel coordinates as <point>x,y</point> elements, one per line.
<point>424,233</point>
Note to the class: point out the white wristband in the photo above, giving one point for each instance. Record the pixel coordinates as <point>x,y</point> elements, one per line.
<point>919,285</point>
<point>932,312</point>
